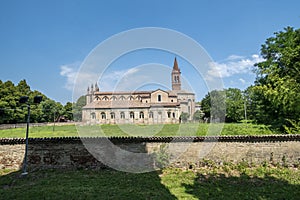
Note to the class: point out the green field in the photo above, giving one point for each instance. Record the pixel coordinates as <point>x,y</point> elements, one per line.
<point>210,182</point>
<point>192,129</point>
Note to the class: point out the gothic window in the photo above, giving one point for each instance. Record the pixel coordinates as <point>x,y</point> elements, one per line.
<point>93,115</point>
<point>176,79</point>
<point>141,115</point>
<point>150,114</point>
<point>122,115</point>
<point>131,115</point>
<point>122,98</point>
<point>169,114</point>
<point>103,116</point>
<point>97,98</point>
<point>105,98</point>
<point>159,98</point>
<point>112,115</point>
<point>131,98</point>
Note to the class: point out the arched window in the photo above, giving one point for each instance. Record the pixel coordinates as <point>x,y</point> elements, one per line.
<point>122,98</point>
<point>150,114</point>
<point>114,98</point>
<point>169,114</point>
<point>141,115</point>
<point>103,116</point>
<point>122,115</point>
<point>93,115</point>
<point>173,115</point>
<point>112,115</point>
<point>131,98</point>
<point>105,98</point>
<point>131,115</point>
<point>176,79</point>
<point>159,98</point>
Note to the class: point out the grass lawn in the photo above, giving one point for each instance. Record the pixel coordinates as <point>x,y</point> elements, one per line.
<point>225,182</point>
<point>42,131</point>
<point>192,129</point>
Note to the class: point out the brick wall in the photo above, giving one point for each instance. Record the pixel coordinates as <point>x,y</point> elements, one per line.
<point>11,156</point>
<point>71,153</point>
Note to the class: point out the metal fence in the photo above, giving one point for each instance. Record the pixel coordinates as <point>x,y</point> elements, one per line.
<point>23,125</point>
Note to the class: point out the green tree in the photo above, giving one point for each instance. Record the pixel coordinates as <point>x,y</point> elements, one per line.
<point>68,108</point>
<point>198,115</point>
<point>234,105</point>
<point>278,79</point>
<point>77,108</point>
<point>23,88</point>
<point>11,111</point>
<point>184,116</point>
<point>8,102</point>
<point>214,105</point>
<point>205,103</point>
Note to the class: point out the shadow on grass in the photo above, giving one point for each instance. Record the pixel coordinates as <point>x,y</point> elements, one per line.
<point>83,184</point>
<point>241,187</point>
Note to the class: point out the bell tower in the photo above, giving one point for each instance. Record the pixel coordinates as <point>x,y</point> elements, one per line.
<point>176,79</point>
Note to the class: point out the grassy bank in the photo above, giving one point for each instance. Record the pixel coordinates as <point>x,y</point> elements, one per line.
<point>209,182</point>
<point>192,129</point>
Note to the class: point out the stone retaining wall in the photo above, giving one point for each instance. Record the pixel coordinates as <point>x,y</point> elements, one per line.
<point>11,156</point>
<point>71,153</point>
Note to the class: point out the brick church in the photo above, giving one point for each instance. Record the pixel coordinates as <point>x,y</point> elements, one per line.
<point>139,107</point>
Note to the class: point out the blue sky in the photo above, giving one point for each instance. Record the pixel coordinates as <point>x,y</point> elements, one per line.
<point>45,42</point>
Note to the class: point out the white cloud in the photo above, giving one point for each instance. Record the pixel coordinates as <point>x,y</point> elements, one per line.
<point>234,64</point>
<point>70,72</point>
<point>115,80</point>
<point>109,80</point>
<point>242,81</point>
<point>235,57</point>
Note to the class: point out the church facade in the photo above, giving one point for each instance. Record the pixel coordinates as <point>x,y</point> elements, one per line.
<point>139,107</point>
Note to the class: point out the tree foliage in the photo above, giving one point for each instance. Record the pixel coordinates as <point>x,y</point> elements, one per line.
<point>184,116</point>
<point>274,99</point>
<point>77,108</point>
<point>234,105</point>
<point>226,103</point>
<point>11,111</point>
<point>277,86</point>
<point>198,115</point>
<point>214,106</point>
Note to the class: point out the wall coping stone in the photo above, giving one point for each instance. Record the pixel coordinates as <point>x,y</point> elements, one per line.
<point>124,139</point>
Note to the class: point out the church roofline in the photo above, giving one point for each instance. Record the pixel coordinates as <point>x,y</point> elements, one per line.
<point>123,92</point>
<point>127,105</point>
<point>170,93</point>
